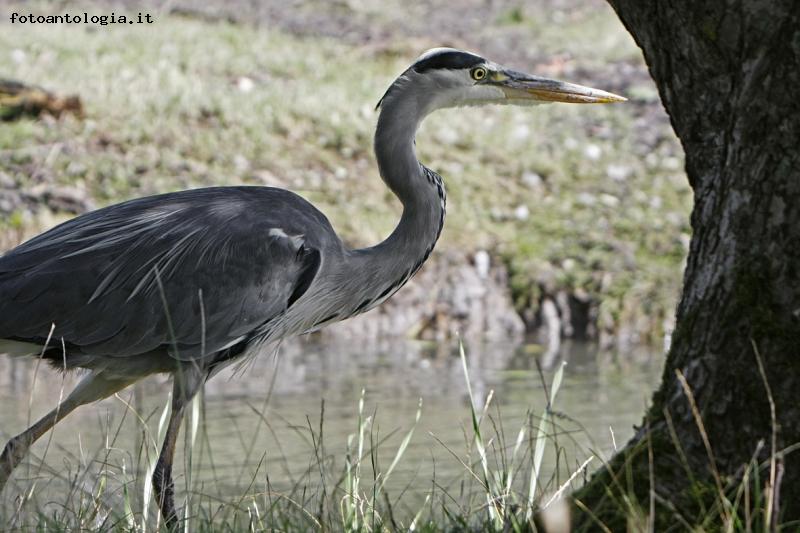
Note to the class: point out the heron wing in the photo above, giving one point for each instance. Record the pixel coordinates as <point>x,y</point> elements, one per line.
<point>195,271</point>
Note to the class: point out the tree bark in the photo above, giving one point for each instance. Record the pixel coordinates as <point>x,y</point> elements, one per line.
<point>728,72</point>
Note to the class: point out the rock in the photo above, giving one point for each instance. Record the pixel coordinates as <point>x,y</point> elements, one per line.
<point>245,84</point>
<point>450,296</point>
<point>18,56</point>
<point>672,163</point>
<point>76,168</point>
<point>6,181</point>
<point>10,201</point>
<point>241,163</point>
<point>532,180</point>
<point>592,152</point>
<point>482,262</point>
<point>618,173</point>
<point>552,325</point>
<point>520,133</point>
<point>587,199</point>
<point>609,200</point>
<point>447,135</point>
<point>268,178</point>
<point>59,199</point>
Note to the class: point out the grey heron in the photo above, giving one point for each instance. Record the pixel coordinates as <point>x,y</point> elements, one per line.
<point>187,282</point>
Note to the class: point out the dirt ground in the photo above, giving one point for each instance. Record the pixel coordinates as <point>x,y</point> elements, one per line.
<point>535,36</point>
<point>519,32</point>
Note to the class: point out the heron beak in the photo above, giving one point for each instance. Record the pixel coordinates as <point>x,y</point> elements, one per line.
<point>519,86</point>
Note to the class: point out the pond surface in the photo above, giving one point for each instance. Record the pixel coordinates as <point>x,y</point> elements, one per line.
<point>261,422</point>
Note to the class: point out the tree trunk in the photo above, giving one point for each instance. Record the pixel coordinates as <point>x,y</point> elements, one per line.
<point>728,72</point>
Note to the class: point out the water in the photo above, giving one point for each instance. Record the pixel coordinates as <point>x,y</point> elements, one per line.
<point>257,419</point>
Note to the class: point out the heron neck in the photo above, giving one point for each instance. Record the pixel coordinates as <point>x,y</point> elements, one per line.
<point>421,191</point>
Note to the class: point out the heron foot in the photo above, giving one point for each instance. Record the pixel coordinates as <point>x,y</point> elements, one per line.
<point>164,490</point>
<point>13,453</point>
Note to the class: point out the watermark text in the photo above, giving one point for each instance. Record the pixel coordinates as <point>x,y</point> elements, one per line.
<point>82,18</point>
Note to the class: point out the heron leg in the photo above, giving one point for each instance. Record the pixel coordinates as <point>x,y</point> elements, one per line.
<point>187,381</point>
<point>93,387</point>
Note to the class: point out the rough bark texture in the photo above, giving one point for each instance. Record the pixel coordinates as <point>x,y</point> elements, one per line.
<point>729,76</point>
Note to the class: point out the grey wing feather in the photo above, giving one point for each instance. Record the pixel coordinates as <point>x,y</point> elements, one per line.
<point>190,271</point>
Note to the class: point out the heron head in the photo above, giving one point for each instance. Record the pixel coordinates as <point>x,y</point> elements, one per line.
<point>446,77</point>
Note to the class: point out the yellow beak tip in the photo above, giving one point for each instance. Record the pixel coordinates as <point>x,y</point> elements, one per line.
<point>615,98</point>
<point>603,97</point>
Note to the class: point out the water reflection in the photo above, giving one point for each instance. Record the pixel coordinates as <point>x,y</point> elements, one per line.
<point>262,412</point>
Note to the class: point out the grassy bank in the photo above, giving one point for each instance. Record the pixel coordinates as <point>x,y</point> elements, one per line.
<point>588,201</point>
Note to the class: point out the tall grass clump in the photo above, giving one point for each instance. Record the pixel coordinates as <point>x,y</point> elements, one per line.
<point>514,481</point>
<point>504,506</point>
<point>360,506</point>
<point>502,487</point>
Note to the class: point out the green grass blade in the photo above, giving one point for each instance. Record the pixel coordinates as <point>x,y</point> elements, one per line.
<point>494,513</point>
<point>402,449</point>
<point>541,441</point>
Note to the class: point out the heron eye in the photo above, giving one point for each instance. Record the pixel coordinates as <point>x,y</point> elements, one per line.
<point>478,73</point>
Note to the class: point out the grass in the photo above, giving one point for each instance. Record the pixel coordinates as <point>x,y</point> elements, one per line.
<point>504,484</point>
<point>589,201</point>
<point>501,483</point>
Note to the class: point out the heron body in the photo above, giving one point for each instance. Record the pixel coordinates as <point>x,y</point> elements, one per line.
<point>187,282</point>
<point>202,276</point>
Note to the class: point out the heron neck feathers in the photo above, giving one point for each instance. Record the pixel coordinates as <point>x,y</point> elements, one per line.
<point>385,267</point>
